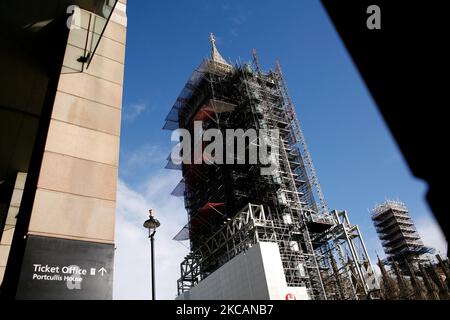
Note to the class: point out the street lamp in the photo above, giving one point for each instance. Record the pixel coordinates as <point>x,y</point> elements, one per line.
<point>151,224</point>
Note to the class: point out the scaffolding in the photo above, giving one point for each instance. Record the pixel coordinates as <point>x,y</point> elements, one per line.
<point>397,233</point>
<point>408,271</point>
<point>232,206</point>
<point>345,265</point>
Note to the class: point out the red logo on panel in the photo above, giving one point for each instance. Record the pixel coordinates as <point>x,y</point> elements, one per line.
<point>290,296</point>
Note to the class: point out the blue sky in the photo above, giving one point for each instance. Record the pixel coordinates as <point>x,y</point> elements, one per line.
<point>356,159</point>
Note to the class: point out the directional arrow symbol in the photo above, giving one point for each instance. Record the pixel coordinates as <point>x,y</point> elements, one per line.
<point>102,270</point>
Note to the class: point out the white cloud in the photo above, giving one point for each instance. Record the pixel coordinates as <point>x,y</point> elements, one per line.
<point>131,112</point>
<point>236,16</point>
<point>132,277</point>
<point>225,6</point>
<point>145,155</point>
<point>239,18</point>
<point>431,234</point>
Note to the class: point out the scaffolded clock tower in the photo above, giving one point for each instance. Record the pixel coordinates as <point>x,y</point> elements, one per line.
<point>240,220</point>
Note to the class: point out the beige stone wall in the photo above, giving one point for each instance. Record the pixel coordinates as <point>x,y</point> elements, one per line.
<point>77,184</point>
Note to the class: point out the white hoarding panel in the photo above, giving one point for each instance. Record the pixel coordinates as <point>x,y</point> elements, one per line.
<point>256,274</point>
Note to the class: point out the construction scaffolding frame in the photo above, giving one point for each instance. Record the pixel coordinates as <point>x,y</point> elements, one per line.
<point>345,264</point>
<point>320,250</point>
<point>397,232</point>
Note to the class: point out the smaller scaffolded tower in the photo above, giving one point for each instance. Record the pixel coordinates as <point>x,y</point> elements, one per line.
<point>397,232</point>
<point>411,272</point>
<point>232,207</point>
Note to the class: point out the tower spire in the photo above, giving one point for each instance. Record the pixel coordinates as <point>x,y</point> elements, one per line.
<point>215,54</point>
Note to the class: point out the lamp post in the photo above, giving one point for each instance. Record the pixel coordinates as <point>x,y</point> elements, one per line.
<point>151,224</point>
